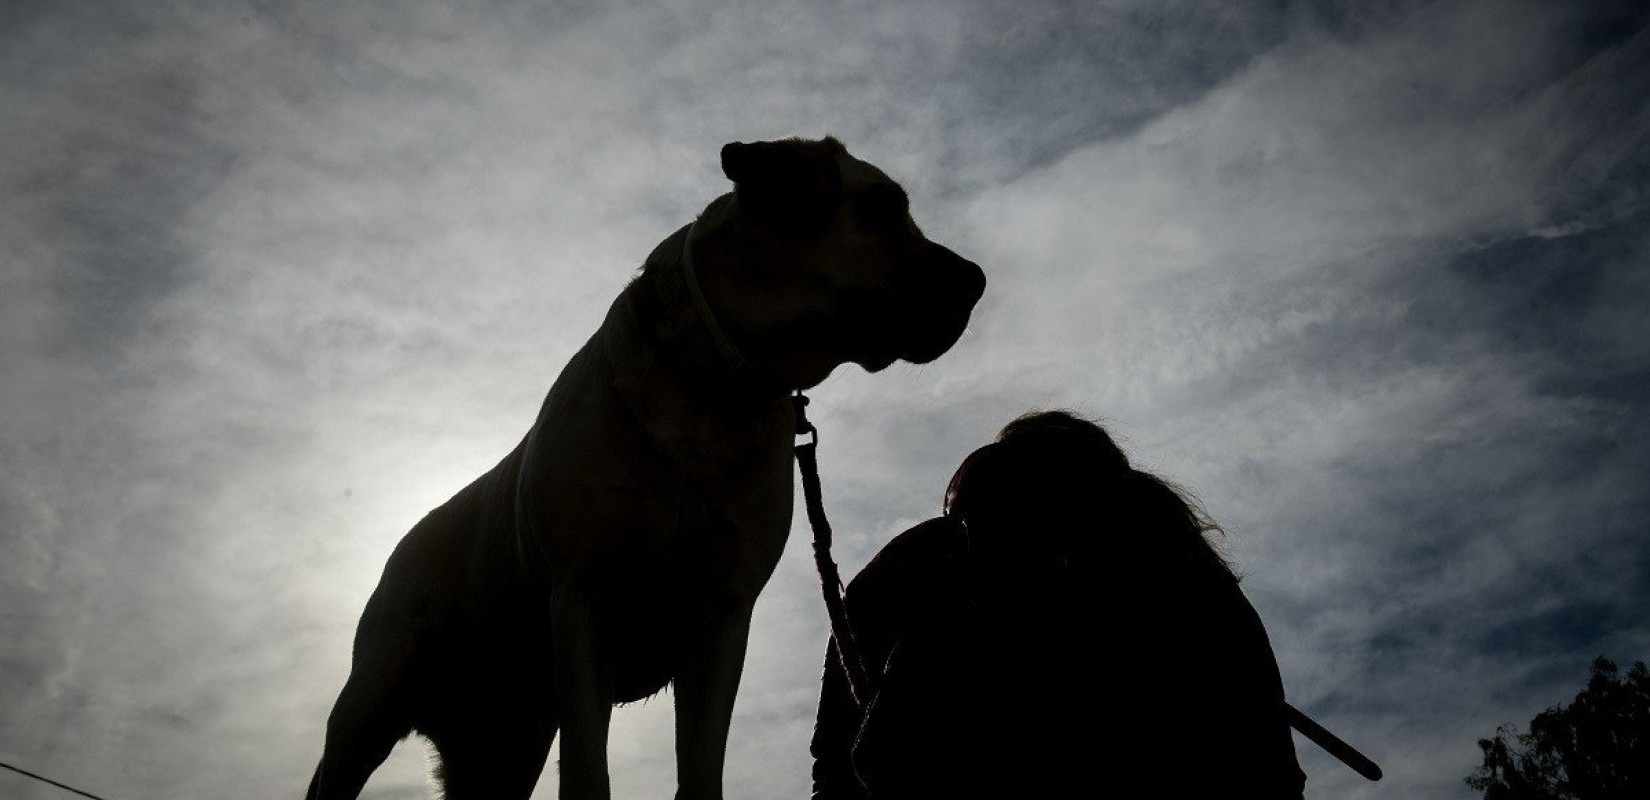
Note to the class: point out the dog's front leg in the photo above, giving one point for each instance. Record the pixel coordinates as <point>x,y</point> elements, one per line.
<point>584,692</point>
<point>706,684</point>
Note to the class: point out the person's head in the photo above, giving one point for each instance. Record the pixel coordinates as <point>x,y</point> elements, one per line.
<point>1055,488</point>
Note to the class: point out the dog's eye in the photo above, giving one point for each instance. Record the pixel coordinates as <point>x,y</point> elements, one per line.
<point>885,209</point>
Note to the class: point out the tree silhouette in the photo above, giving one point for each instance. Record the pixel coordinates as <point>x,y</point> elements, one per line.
<point>1596,748</point>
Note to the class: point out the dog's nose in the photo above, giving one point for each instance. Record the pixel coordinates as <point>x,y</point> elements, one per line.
<point>958,280</point>
<point>972,280</point>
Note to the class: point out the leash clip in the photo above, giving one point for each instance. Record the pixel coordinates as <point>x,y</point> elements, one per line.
<point>799,402</point>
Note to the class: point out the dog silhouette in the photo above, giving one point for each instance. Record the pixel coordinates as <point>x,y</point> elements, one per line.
<point>620,547</point>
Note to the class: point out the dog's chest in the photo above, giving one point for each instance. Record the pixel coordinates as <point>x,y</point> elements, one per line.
<point>708,497</point>
<point>710,511</point>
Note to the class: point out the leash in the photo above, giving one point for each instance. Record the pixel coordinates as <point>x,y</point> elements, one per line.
<point>830,579</point>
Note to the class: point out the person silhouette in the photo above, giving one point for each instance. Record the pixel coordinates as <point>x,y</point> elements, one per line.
<point>1064,629</point>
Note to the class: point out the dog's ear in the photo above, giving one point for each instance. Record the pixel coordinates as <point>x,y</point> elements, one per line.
<point>792,183</point>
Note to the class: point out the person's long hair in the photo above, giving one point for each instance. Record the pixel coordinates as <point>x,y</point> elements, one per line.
<point>1056,484</point>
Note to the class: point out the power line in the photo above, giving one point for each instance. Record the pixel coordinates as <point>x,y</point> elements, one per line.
<point>43,779</point>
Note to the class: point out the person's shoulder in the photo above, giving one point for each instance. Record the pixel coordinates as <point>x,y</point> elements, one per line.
<point>930,539</point>
<point>917,574</point>
<point>928,548</point>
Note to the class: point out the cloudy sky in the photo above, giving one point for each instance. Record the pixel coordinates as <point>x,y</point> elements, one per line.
<point>277,278</point>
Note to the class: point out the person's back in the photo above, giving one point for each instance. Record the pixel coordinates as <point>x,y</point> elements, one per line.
<point>1059,634</point>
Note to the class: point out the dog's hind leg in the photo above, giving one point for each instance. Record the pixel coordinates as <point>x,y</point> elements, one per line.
<point>374,711</point>
<point>364,726</point>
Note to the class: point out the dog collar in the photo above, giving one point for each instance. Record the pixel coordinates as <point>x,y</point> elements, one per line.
<point>730,352</point>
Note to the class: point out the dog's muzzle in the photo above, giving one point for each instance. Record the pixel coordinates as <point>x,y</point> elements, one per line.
<point>945,287</point>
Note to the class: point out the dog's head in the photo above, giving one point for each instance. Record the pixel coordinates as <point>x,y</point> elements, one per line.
<point>814,261</point>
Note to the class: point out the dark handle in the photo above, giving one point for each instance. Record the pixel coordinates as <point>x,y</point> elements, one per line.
<point>1331,743</point>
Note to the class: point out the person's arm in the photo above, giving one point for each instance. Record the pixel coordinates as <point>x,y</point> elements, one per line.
<point>834,731</point>
<point>909,570</point>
